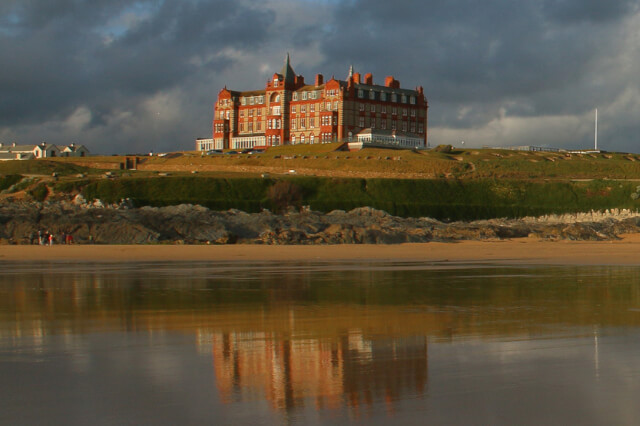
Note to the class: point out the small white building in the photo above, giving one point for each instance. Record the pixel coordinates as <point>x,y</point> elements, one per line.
<point>25,152</point>
<point>73,150</point>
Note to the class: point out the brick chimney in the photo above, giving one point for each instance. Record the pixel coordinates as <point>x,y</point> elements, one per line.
<point>319,79</point>
<point>356,78</point>
<point>368,79</point>
<point>388,82</point>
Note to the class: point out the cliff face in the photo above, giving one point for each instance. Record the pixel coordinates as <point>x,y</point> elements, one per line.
<point>190,224</point>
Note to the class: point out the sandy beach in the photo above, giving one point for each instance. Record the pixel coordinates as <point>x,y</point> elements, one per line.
<point>625,251</point>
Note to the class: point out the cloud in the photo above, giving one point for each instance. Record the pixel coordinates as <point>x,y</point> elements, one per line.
<point>495,69</point>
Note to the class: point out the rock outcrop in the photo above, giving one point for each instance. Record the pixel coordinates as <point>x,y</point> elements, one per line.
<point>93,222</point>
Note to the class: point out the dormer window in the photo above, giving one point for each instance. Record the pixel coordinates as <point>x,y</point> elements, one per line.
<point>275,82</point>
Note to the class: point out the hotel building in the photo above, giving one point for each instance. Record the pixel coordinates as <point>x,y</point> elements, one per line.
<point>290,111</point>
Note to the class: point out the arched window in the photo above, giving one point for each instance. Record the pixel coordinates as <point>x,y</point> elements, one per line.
<point>302,138</point>
<point>311,138</point>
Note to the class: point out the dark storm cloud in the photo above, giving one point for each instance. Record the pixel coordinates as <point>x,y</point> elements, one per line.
<point>67,53</point>
<point>525,58</point>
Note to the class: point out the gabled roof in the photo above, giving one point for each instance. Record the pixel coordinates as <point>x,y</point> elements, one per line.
<point>18,148</point>
<point>72,147</point>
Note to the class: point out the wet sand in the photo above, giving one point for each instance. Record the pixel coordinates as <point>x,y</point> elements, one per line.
<point>625,251</point>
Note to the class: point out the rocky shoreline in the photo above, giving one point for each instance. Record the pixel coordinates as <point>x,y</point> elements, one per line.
<point>192,224</point>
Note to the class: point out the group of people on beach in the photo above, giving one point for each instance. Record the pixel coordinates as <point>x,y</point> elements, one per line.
<point>47,238</point>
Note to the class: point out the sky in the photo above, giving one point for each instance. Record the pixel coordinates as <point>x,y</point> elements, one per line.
<point>123,76</point>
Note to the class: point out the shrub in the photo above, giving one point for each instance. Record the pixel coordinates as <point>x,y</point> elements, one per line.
<point>39,192</point>
<point>8,181</point>
<point>283,194</point>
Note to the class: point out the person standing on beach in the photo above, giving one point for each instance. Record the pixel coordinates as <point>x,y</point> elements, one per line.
<point>51,238</point>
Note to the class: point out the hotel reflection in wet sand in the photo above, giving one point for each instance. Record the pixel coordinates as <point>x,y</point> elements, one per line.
<point>289,372</point>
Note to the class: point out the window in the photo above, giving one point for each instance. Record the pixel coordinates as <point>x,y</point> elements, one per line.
<point>243,100</point>
<point>328,106</point>
<point>301,138</point>
<point>412,100</point>
<point>373,122</point>
<point>312,138</point>
<point>250,113</point>
<point>361,107</point>
<point>335,106</point>
<point>372,94</point>
<point>393,124</point>
<point>259,125</point>
<point>383,96</point>
<point>275,82</point>
<point>268,124</point>
<point>312,123</point>
<point>360,93</point>
<point>227,114</point>
<point>293,139</point>
<point>302,123</point>
<point>295,96</point>
<point>420,127</point>
<point>413,112</point>
<point>293,109</point>
<point>413,127</point>
<point>335,121</point>
<point>312,107</point>
<point>384,109</point>
<point>293,124</point>
<point>361,122</point>
<point>394,97</point>
<point>404,99</point>
<point>303,108</point>
<point>394,111</point>
<point>221,114</point>
<point>404,112</point>
<point>404,126</point>
<point>304,96</point>
<point>373,108</point>
<point>259,112</point>
<point>250,126</point>
<point>383,124</point>
<point>241,113</point>
<point>251,100</point>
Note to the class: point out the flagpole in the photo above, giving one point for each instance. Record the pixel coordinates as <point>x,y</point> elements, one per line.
<point>596,131</point>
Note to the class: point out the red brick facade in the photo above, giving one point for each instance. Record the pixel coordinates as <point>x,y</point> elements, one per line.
<point>289,111</point>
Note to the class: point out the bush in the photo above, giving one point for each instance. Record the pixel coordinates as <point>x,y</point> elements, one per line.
<point>8,181</point>
<point>39,192</point>
<point>284,194</point>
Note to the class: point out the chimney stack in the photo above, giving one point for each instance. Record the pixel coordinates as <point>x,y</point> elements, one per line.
<point>368,79</point>
<point>356,78</point>
<point>319,79</point>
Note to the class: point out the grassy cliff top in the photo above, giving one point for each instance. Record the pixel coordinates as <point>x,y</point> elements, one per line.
<point>329,160</point>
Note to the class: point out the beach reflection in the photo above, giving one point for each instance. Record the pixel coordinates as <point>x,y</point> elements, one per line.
<point>354,339</point>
